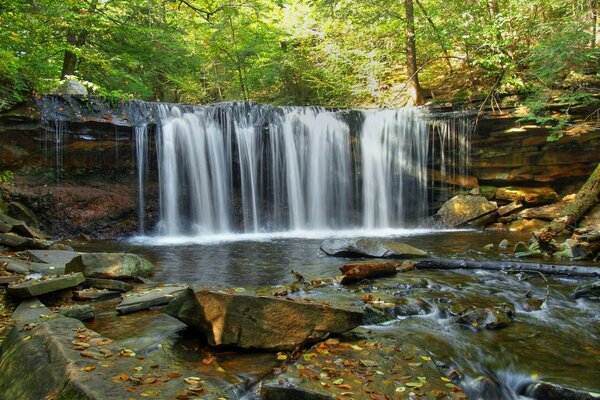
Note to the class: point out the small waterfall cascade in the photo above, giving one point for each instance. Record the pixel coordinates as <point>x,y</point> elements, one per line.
<point>141,156</point>
<point>247,168</point>
<point>53,143</point>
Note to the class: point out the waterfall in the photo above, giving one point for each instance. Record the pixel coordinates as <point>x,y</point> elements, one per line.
<point>141,148</point>
<point>247,168</point>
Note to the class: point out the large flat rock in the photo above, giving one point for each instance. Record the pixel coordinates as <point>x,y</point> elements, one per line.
<point>364,369</point>
<point>47,355</point>
<point>17,242</point>
<point>251,321</point>
<point>370,248</point>
<point>541,195</point>
<point>463,209</point>
<point>111,266</point>
<point>153,297</point>
<point>59,257</point>
<point>32,288</point>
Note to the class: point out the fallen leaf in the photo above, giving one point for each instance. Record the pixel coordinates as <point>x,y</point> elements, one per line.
<point>89,368</point>
<point>123,376</point>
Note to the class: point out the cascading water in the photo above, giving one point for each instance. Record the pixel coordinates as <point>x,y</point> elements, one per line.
<point>242,167</point>
<point>141,148</point>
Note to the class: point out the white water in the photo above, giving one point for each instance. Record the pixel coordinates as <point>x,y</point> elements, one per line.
<point>236,168</point>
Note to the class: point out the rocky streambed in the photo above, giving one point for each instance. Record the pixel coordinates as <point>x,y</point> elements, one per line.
<point>280,323</point>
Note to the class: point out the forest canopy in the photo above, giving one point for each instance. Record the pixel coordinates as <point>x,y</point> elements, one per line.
<point>326,52</point>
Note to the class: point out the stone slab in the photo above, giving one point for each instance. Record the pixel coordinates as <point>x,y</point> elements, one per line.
<point>152,298</point>
<point>34,288</point>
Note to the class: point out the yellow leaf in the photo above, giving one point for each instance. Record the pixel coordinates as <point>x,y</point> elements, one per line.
<point>356,347</point>
<point>338,381</point>
<point>89,368</point>
<point>282,357</point>
<point>426,358</point>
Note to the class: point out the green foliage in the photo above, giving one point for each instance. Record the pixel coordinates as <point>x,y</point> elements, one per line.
<point>7,180</point>
<point>328,52</point>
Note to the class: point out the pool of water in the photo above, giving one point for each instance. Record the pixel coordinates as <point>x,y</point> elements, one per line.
<point>559,343</point>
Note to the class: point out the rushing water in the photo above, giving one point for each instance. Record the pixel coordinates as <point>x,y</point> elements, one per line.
<point>559,342</point>
<point>248,168</point>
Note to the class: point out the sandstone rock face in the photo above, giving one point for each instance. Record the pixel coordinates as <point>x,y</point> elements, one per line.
<point>111,266</point>
<point>542,195</point>
<point>250,321</point>
<point>462,209</point>
<point>371,248</point>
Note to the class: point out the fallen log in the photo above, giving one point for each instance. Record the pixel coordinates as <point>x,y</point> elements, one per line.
<point>550,269</point>
<point>368,269</point>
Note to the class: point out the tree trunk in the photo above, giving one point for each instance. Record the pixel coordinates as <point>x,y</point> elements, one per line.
<point>70,59</point>
<point>414,88</point>
<point>586,198</point>
<point>594,8</point>
<point>549,269</point>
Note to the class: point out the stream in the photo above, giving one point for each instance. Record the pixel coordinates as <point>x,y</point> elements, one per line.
<point>551,337</point>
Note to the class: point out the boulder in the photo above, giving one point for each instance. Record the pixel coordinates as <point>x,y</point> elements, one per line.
<point>32,288</point>
<point>61,257</point>
<point>365,270</point>
<point>549,391</point>
<point>543,195</point>
<point>251,321</point>
<point>377,368</point>
<point>496,317</point>
<point>110,266</point>
<point>463,209</point>
<point>370,248</point>
<point>154,297</point>
<point>72,87</point>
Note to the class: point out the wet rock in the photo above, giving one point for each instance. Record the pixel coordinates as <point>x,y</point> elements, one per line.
<point>504,244</point>
<point>489,247</point>
<point>521,247</point>
<point>111,266</point>
<point>152,298</point>
<point>109,284</point>
<point>72,87</point>
<point>374,315</point>
<point>21,212</point>
<point>412,307</point>
<point>462,209</point>
<point>365,270</point>
<point>61,257</point>
<point>32,288</point>
<point>373,248</point>
<point>543,195</point>
<point>491,318</point>
<point>484,388</point>
<point>530,305</point>
<point>95,294</point>
<point>510,209</point>
<point>375,368</point>
<point>589,291</point>
<point>82,312</point>
<point>250,321</point>
<point>549,391</point>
